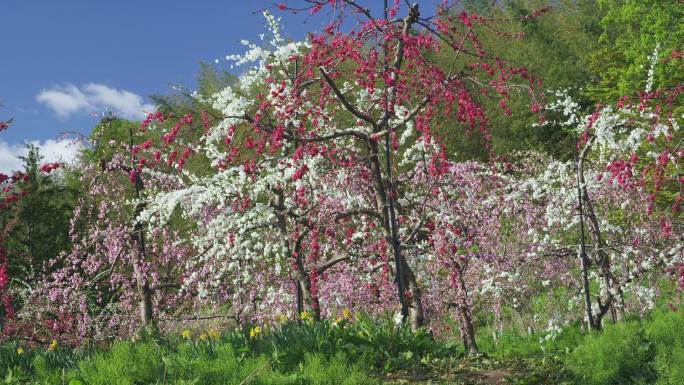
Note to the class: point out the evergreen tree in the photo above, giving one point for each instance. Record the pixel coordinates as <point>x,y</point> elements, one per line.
<point>41,218</point>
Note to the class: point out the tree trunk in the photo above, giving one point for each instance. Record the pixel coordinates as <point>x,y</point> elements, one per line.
<point>306,301</point>
<point>414,302</point>
<point>146,315</point>
<point>583,250</point>
<point>408,291</point>
<point>599,245</point>
<point>465,315</point>
<point>144,291</point>
<point>310,303</point>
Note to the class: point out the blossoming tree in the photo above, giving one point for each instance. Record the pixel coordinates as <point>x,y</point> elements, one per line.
<point>117,278</point>
<point>317,144</point>
<point>627,170</point>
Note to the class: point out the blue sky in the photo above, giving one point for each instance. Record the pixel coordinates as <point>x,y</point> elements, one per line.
<point>97,52</point>
<point>62,60</point>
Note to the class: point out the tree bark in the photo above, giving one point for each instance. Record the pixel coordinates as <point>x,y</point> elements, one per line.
<point>144,291</point>
<point>409,292</point>
<point>416,315</point>
<point>305,301</point>
<point>583,252</point>
<point>465,315</point>
<point>600,253</point>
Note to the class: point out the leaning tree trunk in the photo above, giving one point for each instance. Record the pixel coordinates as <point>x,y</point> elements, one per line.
<point>409,292</point>
<point>603,261</point>
<point>584,259</point>
<point>386,195</point>
<point>604,305</point>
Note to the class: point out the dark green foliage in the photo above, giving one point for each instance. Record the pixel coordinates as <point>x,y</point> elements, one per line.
<point>633,352</point>
<point>631,29</point>
<point>110,137</point>
<point>666,333</point>
<point>181,102</point>
<point>554,51</point>
<point>39,222</point>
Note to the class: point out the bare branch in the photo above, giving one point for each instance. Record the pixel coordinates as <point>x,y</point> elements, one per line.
<point>354,111</point>
<point>330,263</point>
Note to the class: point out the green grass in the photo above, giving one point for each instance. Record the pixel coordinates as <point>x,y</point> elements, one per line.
<point>310,353</point>
<point>179,362</point>
<point>649,351</point>
<point>620,354</point>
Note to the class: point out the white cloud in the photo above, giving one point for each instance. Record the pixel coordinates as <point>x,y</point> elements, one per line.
<point>64,151</point>
<point>64,100</point>
<point>92,97</point>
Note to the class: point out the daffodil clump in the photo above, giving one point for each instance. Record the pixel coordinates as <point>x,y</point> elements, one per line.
<point>53,346</point>
<point>346,315</point>
<point>306,317</point>
<point>214,334</point>
<point>211,334</point>
<point>254,331</point>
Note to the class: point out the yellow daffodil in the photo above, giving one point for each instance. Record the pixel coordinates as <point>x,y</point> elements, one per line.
<point>185,334</point>
<point>306,316</point>
<point>53,345</point>
<point>204,336</point>
<point>346,313</point>
<point>214,334</point>
<point>254,332</point>
<point>282,318</point>
<point>20,350</point>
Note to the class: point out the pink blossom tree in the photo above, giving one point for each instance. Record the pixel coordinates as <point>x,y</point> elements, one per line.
<point>117,278</point>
